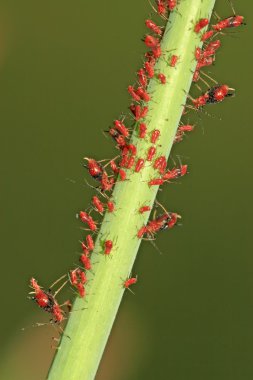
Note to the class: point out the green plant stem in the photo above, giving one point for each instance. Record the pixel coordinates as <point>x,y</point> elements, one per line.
<point>78,358</point>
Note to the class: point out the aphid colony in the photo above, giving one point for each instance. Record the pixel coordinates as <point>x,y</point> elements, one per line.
<point>128,161</point>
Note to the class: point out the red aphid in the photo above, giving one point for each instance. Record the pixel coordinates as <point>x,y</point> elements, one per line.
<point>196,76</point>
<point>121,128</point>
<point>156,182</point>
<point>149,69</point>
<point>157,51</point>
<point>218,93</point>
<point>152,26</point>
<point>155,135</point>
<point>139,165</point>
<point>108,245</point>
<point>90,242</point>
<point>131,148</point>
<point>198,53</point>
<point>98,204</point>
<point>144,209</point>
<point>122,174</point>
<point>229,22</point>
<point>133,93</point>
<point>150,41</point>
<point>94,168</point>
<point>129,282</point>
<point>87,219</point>
<point>150,58</point>
<point>106,183</point>
<point>202,23</point>
<point>171,4</point>
<point>118,137</point>
<point>162,78</point>
<point>142,130</point>
<point>144,111</point>
<point>81,290</point>
<point>173,60</point>
<point>142,78</point>
<point>207,35</point>
<point>85,260</point>
<point>205,61</point>
<point>186,128</point>
<point>85,248</point>
<point>151,153</point>
<point>73,277</point>
<point>130,162</point>
<point>143,94</point>
<point>160,164</point>
<point>141,232</point>
<point>161,7</point>
<point>110,206</point>
<point>47,302</point>
<point>114,166</point>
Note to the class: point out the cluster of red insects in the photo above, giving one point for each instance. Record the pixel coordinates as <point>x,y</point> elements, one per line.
<point>128,158</point>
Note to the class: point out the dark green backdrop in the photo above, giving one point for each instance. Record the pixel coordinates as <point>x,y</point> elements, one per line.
<point>64,69</point>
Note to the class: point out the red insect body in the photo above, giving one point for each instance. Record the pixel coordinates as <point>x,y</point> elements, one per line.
<point>156,182</point>
<point>81,290</point>
<point>207,35</point>
<point>143,94</point>
<point>130,162</point>
<point>85,248</point>
<point>229,22</point>
<point>106,183</point>
<point>141,232</point>
<point>171,4</point>
<point>150,41</point>
<point>173,60</point>
<point>144,111</point>
<point>110,206</point>
<point>149,69</point>
<point>121,127</point>
<point>47,302</point>
<point>144,209</point>
<point>152,26</point>
<point>142,130</point>
<point>162,78</point>
<point>186,128</point>
<point>157,51</point>
<point>57,313</point>
<point>175,173</point>
<point>142,78</point>
<point>90,242</point>
<point>150,58</point>
<point>131,148</point>
<point>196,76</point>
<point>138,111</point>
<point>139,165</point>
<point>202,23</point>
<point>85,260</point>
<point>118,137</point>
<point>198,53</point>
<point>94,168</point>
<point>151,153</point>
<point>87,219</point>
<point>161,7</point>
<point>155,135</point>
<point>122,174</point>
<point>108,247</point>
<point>133,93</point>
<point>98,204</point>
<point>129,282</point>
<point>205,61</point>
<point>160,164</point>
<point>114,166</point>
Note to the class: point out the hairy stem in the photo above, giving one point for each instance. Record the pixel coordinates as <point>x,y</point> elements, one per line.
<point>78,358</point>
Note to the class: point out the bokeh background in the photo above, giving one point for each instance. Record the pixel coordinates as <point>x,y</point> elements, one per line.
<point>64,69</point>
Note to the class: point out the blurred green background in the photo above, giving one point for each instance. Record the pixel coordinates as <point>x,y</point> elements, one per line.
<point>64,69</point>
